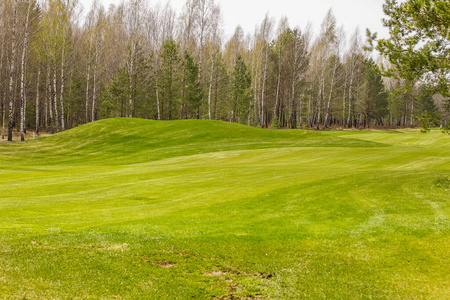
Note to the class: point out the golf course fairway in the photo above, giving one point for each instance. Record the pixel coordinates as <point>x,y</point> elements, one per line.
<point>138,209</point>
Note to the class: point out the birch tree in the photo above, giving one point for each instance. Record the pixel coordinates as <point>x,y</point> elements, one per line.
<point>2,58</point>
<point>265,36</point>
<point>30,5</point>
<point>215,43</point>
<point>336,47</point>
<point>12,70</point>
<point>160,28</point>
<point>354,64</point>
<point>134,34</point>
<point>298,59</point>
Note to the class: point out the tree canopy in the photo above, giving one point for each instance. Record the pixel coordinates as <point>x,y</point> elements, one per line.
<point>419,42</point>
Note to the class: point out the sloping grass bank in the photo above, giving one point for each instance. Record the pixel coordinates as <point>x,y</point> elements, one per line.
<point>136,209</point>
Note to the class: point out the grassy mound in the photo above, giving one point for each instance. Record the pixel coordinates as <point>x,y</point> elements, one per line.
<point>137,140</point>
<point>138,209</point>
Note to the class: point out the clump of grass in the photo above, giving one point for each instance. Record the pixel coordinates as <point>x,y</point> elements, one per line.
<point>443,182</point>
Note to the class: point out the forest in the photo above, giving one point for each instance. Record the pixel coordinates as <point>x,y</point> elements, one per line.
<point>61,67</point>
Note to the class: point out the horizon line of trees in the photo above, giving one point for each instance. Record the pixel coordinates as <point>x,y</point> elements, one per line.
<point>59,70</point>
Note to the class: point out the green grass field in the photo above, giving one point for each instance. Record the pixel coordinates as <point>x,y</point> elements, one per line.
<point>137,209</point>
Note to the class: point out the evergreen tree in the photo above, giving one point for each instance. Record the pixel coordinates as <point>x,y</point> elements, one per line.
<point>373,98</point>
<point>170,79</point>
<point>114,99</point>
<point>418,43</point>
<point>241,91</point>
<point>193,94</point>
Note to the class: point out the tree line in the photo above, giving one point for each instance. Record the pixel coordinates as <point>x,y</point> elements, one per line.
<point>60,68</point>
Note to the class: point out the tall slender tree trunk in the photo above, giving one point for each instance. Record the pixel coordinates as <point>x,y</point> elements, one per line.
<point>170,92</point>
<point>255,104</point>
<point>292,117</point>
<point>3,115</point>
<point>11,74</point>
<point>49,106</point>
<point>263,89</point>
<point>22,77</point>
<point>88,81</point>
<point>210,84</point>
<point>157,98</point>
<point>277,97</point>
<point>319,102</point>
<point>2,95</point>
<point>22,104</point>
<point>49,99</point>
<point>300,110</point>
<point>130,79</point>
<point>350,94</point>
<point>37,99</point>
<point>331,91</point>
<point>292,108</point>
<point>70,115</point>
<point>55,96</point>
<point>216,95</point>
<point>94,86</point>
<point>25,102</point>
<point>309,113</point>
<point>344,99</point>
<point>61,97</point>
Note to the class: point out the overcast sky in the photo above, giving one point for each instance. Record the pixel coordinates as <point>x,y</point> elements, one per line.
<point>247,13</point>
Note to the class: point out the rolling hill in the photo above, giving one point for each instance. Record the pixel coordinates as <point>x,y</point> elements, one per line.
<point>138,209</point>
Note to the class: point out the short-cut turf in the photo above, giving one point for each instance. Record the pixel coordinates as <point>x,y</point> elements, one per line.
<point>137,209</point>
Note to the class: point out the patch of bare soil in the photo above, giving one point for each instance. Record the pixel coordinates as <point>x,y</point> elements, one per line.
<point>214,274</point>
<point>163,263</point>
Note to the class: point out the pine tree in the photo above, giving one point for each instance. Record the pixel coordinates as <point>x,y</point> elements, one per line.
<point>193,94</point>
<point>240,91</point>
<point>372,99</point>
<point>418,44</point>
<point>170,79</point>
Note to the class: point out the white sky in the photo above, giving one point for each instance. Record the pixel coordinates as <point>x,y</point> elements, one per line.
<point>248,13</point>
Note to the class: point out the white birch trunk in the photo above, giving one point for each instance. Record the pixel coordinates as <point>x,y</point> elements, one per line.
<point>292,102</point>
<point>130,79</point>
<point>49,99</point>
<point>349,118</point>
<point>210,85</point>
<point>94,86</point>
<point>11,75</point>
<point>37,100</point>
<point>88,79</point>
<point>263,89</point>
<point>61,97</point>
<point>3,116</point>
<point>345,94</point>
<point>157,97</point>
<point>55,96</point>
<point>277,98</point>
<point>331,91</point>
<point>294,83</point>
<point>22,78</point>
<point>319,100</point>
<point>255,79</point>
<point>3,92</point>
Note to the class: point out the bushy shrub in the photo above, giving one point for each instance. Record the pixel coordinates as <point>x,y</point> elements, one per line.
<point>276,124</point>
